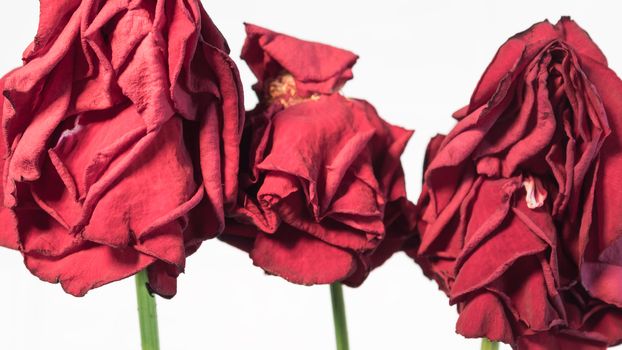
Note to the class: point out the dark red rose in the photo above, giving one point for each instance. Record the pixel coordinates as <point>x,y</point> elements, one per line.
<point>520,215</point>
<point>322,195</point>
<point>120,139</point>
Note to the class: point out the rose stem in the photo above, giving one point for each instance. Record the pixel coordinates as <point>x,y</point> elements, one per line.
<point>339,316</point>
<point>147,314</point>
<point>489,345</point>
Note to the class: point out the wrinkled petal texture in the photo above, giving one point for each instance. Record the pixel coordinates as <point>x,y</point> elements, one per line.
<point>322,195</point>
<point>316,67</point>
<point>120,141</point>
<point>519,218</point>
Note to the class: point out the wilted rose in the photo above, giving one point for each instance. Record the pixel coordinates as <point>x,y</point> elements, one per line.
<point>520,219</point>
<point>120,140</point>
<point>322,195</point>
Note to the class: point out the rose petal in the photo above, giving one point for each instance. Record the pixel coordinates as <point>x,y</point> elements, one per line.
<point>300,258</point>
<point>87,268</point>
<point>316,67</point>
<point>484,316</point>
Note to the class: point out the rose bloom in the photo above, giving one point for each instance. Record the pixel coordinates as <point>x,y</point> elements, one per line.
<point>120,141</point>
<point>322,195</point>
<point>520,217</point>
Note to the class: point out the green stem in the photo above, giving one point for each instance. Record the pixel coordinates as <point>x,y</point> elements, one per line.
<point>339,316</point>
<point>489,345</point>
<point>147,314</point>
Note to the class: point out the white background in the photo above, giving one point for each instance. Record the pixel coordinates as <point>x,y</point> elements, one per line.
<point>420,61</point>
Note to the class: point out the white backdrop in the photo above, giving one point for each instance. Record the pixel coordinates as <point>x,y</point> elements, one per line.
<point>420,61</point>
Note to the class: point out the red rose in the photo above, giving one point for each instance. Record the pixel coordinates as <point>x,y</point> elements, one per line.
<point>120,140</point>
<point>520,216</point>
<point>322,196</point>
